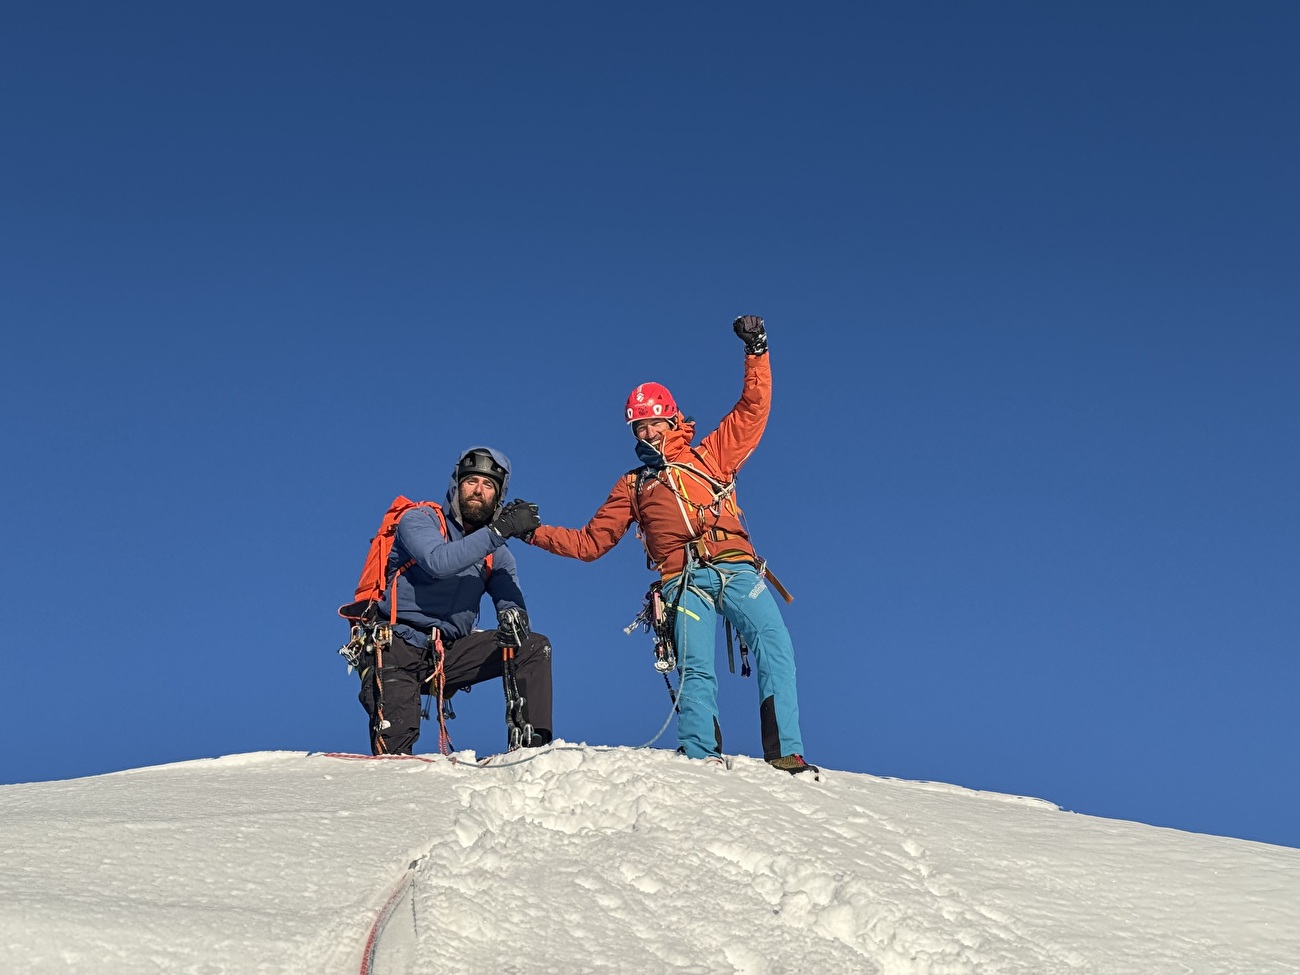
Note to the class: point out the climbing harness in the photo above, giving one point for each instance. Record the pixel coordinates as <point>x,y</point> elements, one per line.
<point>661,622</point>
<point>671,475</point>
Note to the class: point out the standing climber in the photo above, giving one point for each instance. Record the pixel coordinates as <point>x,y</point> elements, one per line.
<point>683,498</point>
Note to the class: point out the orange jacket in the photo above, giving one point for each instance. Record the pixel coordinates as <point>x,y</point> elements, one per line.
<point>688,500</point>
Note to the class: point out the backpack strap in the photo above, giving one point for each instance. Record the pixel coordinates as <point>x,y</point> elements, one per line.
<point>634,481</point>
<point>390,583</point>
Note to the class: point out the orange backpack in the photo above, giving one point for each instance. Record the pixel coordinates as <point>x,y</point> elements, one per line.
<point>374,576</point>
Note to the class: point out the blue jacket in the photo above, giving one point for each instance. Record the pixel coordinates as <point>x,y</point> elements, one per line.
<point>447,583</point>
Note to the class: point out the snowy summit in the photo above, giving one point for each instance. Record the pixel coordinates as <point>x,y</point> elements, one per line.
<point>581,858</point>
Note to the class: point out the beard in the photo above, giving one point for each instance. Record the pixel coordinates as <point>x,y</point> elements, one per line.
<point>475,513</point>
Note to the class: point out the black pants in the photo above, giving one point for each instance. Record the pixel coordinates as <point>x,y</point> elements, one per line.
<point>470,660</point>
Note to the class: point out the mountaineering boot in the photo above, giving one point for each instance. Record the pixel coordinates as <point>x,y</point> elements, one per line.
<point>708,761</point>
<point>794,764</point>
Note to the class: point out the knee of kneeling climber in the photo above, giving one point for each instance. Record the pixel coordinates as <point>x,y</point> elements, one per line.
<point>536,643</point>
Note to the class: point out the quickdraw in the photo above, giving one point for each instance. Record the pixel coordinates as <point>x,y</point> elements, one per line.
<point>366,637</point>
<point>512,630</point>
<point>745,670</point>
<point>654,618</point>
<point>370,638</point>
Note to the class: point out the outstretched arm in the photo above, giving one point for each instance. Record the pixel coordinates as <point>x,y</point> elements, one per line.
<point>606,527</point>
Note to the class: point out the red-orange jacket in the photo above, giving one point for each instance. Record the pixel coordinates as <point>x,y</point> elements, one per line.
<point>690,499</point>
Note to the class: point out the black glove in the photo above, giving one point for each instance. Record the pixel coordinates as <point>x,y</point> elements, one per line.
<point>750,329</point>
<point>512,627</point>
<point>516,518</point>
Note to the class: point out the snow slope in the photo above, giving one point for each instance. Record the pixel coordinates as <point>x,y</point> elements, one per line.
<point>591,859</point>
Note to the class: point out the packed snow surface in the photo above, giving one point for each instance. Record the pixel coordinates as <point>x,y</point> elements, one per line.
<point>579,858</point>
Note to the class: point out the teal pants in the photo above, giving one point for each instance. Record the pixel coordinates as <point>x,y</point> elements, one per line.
<point>737,592</point>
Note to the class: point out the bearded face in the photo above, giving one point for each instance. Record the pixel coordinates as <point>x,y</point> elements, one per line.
<point>478,501</point>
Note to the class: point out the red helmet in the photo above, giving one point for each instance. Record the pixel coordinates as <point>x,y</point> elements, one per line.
<point>650,401</point>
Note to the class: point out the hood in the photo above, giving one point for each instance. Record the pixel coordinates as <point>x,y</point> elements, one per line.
<point>453,495</point>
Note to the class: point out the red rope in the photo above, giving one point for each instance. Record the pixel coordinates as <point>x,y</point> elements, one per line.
<point>379,747</point>
<point>381,919</point>
<point>439,678</point>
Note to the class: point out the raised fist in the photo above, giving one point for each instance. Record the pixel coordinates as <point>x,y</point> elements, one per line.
<point>752,333</point>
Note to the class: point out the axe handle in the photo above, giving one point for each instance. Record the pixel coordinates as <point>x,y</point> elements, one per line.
<point>776,584</point>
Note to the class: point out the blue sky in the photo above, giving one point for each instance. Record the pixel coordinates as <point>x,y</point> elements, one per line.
<point>1029,276</point>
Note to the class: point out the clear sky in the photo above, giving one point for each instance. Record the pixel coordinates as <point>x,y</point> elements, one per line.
<point>1029,273</point>
<point>586,860</point>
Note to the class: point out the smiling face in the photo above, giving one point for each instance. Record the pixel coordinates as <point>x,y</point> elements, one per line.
<point>651,431</point>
